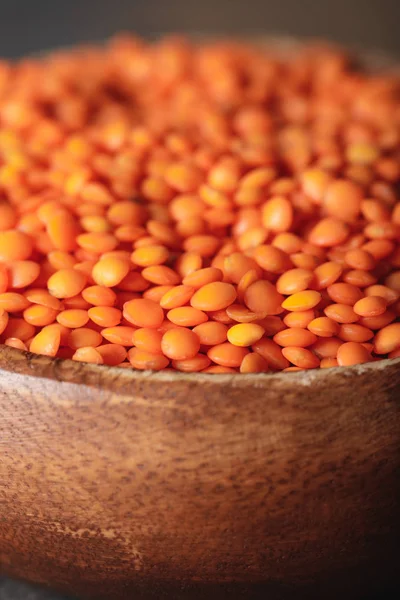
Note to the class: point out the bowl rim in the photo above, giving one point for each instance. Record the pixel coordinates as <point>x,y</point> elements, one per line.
<point>17,361</point>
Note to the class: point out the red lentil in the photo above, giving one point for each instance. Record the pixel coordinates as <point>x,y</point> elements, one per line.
<point>227,355</point>
<point>88,354</point>
<point>219,218</point>
<point>301,318</point>
<point>253,363</point>
<point>301,357</point>
<point>180,344</point>
<point>352,353</point>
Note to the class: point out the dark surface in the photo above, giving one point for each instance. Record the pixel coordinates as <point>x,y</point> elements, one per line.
<point>32,25</point>
<point>14,590</point>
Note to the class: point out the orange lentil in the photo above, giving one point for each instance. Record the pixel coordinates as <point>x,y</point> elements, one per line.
<point>326,347</point>
<point>254,363</point>
<point>227,355</point>
<point>205,245</point>
<point>47,341</point>
<point>252,238</point>
<point>342,200</point>
<point>202,277</point>
<point>277,214</point>
<point>187,316</point>
<point>156,293</point>
<point>341,313</point>
<point>301,357</point>
<point>359,278</point>
<point>143,360</point>
<point>245,282</point>
<point>390,295</point>
<point>187,263</point>
<point>315,183</point>
<point>13,302</point>
<point>66,283</point>
<point>83,336</point>
<point>328,363</point>
<point>323,327</point>
<point>302,300</point>
<point>18,328</point>
<point>353,332</point>
<point>328,232</point>
<point>73,317</point>
<point>211,333</point>
<point>379,248</point>
<point>213,296</point>
<point>359,259</point>
<point>150,255</point>
<point>4,278</point>
<point>88,355</point>
<point>39,316</point>
<point>192,365</point>
<point>133,282</point>
<point>326,274</point>
<point>23,273</point>
<point>344,293</point>
<point>99,295</point>
<point>120,334</point>
<point>180,344</point>
<point>370,306</point>
<point>148,340</point>
<point>104,316</point>
<point>110,271</point>
<point>241,314</point>
<point>293,281</point>
<point>75,302</point>
<point>143,313</point>
<point>262,297</point>
<point>378,322</point>
<point>61,260</point>
<point>161,275</point>
<point>15,245</point>
<point>98,243</point>
<point>295,336</point>
<point>4,318</point>
<point>298,319</point>
<point>272,353</point>
<point>352,353</point>
<point>112,354</point>
<point>272,259</point>
<point>301,260</point>
<point>387,339</point>
<point>177,296</point>
<point>245,334</point>
<point>374,211</point>
<point>392,281</point>
<point>16,343</point>
<point>236,265</point>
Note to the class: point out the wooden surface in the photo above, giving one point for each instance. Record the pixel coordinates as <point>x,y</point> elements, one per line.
<point>168,485</point>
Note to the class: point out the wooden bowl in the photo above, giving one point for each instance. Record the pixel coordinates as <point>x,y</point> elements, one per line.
<point>123,484</point>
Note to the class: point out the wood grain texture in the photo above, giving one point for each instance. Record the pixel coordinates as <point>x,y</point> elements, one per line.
<point>115,483</point>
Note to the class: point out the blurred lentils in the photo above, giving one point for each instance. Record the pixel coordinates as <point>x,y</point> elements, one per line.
<point>212,208</point>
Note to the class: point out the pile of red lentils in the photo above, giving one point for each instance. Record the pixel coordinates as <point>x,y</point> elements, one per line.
<point>212,208</point>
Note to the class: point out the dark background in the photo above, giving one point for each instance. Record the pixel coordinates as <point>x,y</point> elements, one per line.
<point>32,25</point>
<point>28,26</point>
